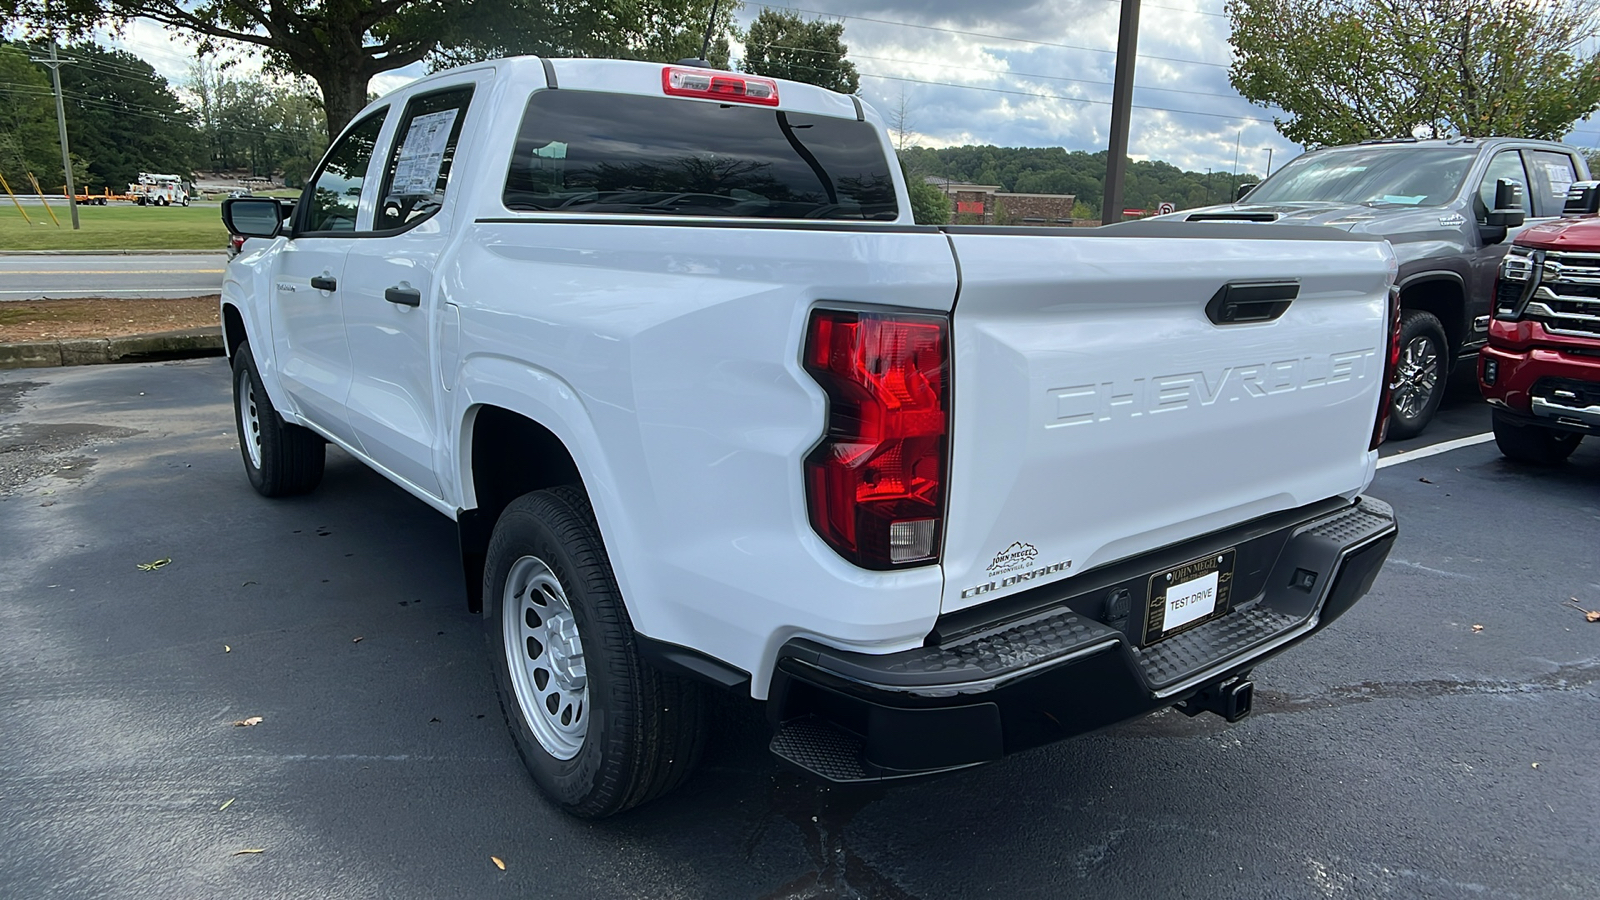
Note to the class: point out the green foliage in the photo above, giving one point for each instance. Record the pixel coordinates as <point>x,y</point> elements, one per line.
<point>341,45</point>
<point>28,141</point>
<point>929,205</point>
<point>1351,70</point>
<point>780,44</point>
<point>1052,170</point>
<point>262,126</point>
<point>123,118</point>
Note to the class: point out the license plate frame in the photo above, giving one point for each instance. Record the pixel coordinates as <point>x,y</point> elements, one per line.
<point>1196,574</point>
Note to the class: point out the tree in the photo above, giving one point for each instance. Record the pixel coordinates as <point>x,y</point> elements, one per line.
<point>780,44</point>
<point>124,117</point>
<point>929,205</point>
<point>1351,70</point>
<point>341,44</point>
<point>263,126</point>
<point>28,141</point>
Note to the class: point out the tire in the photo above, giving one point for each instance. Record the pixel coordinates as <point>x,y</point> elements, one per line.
<point>606,731</point>
<point>280,459</point>
<point>1419,380</point>
<point>1532,444</point>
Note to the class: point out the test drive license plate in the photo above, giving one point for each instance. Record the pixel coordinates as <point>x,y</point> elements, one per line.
<point>1183,597</point>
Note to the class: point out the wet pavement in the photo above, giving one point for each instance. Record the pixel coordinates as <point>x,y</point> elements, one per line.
<point>1401,753</point>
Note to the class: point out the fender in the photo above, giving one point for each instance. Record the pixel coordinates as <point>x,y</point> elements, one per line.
<point>244,284</point>
<point>545,398</point>
<point>1460,329</point>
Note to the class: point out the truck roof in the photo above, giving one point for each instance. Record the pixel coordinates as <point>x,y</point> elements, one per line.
<point>1478,142</point>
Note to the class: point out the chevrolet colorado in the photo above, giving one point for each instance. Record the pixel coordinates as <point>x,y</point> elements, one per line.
<point>709,409</point>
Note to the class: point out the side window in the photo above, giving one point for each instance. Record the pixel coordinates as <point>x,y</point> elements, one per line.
<point>1506,164</point>
<point>414,181</point>
<point>1552,174</point>
<point>331,201</point>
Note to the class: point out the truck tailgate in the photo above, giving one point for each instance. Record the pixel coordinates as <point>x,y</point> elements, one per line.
<point>1099,413</point>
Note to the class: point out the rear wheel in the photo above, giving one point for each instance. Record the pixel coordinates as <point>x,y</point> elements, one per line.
<point>1532,444</point>
<point>280,459</point>
<point>1419,380</point>
<point>599,729</point>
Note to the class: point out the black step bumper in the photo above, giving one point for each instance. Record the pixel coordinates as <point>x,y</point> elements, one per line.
<point>1039,667</point>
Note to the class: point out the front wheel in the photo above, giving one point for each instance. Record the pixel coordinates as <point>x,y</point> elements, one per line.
<point>1532,444</point>
<point>279,458</point>
<point>1419,380</point>
<point>599,729</point>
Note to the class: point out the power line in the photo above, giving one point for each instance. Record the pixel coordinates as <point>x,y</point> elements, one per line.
<point>992,37</point>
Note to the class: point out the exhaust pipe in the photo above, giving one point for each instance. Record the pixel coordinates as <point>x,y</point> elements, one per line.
<point>1229,699</point>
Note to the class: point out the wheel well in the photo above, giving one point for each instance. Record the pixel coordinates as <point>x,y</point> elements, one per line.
<point>1444,298</point>
<point>232,328</point>
<point>510,455</point>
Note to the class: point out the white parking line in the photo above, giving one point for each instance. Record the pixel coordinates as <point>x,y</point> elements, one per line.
<point>1434,450</point>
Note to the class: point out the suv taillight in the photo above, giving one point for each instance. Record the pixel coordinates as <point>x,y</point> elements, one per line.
<point>1391,364</point>
<point>876,483</point>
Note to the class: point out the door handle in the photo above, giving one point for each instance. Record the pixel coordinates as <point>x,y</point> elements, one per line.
<point>403,296</point>
<point>325,282</point>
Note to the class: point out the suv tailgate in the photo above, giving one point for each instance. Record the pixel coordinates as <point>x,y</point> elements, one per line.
<point>1099,413</point>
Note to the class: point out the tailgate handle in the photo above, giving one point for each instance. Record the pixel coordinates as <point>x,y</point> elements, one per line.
<point>1259,301</point>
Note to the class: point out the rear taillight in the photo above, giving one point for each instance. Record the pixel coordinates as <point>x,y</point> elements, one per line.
<point>713,85</point>
<point>1391,365</point>
<point>876,483</point>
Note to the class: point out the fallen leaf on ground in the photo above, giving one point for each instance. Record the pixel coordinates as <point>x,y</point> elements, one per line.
<point>1536,765</point>
<point>231,799</point>
<point>249,850</point>
<point>152,566</point>
<point>1477,628</point>
<point>498,864</point>
<point>1589,615</point>
<point>246,723</point>
<point>356,641</point>
<point>248,583</point>
<point>226,649</point>
<point>1424,481</point>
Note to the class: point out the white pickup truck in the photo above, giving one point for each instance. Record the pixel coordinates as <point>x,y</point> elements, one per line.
<point>709,409</point>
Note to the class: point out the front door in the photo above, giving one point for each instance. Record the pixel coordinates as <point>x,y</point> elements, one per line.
<point>307,301</point>
<point>393,300</point>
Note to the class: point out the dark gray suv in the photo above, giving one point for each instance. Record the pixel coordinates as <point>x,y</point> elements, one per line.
<point>1435,201</point>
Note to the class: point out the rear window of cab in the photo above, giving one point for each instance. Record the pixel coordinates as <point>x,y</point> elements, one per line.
<point>587,152</point>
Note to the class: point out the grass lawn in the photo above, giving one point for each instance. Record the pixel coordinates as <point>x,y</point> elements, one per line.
<point>120,226</point>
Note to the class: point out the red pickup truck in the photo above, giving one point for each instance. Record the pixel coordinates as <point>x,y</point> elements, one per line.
<point>1541,369</point>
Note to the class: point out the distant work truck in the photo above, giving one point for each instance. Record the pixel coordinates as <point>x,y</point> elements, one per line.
<point>1436,203</point>
<point>159,190</point>
<point>709,409</point>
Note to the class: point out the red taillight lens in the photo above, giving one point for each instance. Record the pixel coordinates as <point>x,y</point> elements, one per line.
<point>875,484</point>
<point>1391,364</point>
<point>723,86</point>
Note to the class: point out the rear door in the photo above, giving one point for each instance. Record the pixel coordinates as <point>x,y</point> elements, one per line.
<point>392,301</point>
<point>1100,413</point>
<point>307,304</point>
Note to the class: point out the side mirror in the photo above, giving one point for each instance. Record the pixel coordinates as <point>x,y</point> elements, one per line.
<point>255,217</point>
<point>1507,212</point>
<point>1243,190</point>
<point>1583,199</point>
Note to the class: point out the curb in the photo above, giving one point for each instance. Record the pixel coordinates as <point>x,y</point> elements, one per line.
<point>96,351</point>
<point>202,251</point>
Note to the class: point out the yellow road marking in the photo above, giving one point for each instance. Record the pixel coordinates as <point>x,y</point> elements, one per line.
<point>111,271</point>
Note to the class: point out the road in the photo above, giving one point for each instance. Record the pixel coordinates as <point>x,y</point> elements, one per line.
<point>30,277</point>
<point>1403,752</point>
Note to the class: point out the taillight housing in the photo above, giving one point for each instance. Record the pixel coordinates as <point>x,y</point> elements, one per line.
<point>1391,365</point>
<point>876,483</point>
<point>713,85</point>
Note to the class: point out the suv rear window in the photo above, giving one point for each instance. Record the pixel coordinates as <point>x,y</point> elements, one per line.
<point>586,152</point>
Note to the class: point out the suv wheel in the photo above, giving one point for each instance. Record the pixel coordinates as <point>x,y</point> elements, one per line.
<point>599,729</point>
<point>280,459</point>
<point>1419,380</point>
<point>1532,444</point>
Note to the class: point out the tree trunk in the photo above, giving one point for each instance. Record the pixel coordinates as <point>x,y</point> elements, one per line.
<point>344,93</point>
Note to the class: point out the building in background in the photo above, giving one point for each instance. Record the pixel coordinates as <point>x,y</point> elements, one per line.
<point>987,204</point>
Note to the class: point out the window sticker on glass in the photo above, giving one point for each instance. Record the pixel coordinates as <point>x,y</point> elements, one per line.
<point>1560,178</point>
<point>422,154</point>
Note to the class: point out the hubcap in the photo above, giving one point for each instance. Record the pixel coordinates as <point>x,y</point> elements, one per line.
<point>249,418</point>
<point>1415,377</point>
<point>544,653</point>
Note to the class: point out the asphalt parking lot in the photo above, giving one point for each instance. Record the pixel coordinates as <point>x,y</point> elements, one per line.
<point>1405,752</point>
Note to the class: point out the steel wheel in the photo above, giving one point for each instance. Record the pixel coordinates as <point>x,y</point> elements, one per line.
<point>1416,377</point>
<point>249,418</point>
<point>544,653</point>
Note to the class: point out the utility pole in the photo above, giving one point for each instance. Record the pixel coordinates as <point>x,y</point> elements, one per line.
<point>1269,163</point>
<point>54,63</point>
<point>1233,185</point>
<point>1121,109</point>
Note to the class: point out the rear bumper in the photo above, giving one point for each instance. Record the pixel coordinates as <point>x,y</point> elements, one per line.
<point>1068,665</point>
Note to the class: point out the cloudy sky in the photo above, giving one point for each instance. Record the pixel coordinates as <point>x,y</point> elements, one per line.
<point>1033,73</point>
